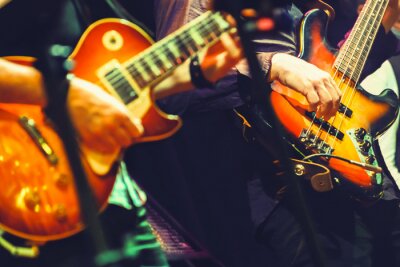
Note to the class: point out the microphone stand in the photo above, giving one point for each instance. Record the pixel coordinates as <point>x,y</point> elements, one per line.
<point>259,93</point>
<point>54,67</point>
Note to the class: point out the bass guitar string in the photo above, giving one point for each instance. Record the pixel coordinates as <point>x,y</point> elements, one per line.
<point>376,22</point>
<point>342,79</point>
<point>336,74</point>
<point>343,65</point>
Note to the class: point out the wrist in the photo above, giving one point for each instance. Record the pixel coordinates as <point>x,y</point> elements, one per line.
<point>389,18</point>
<point>196,74</point>
<point>275,60</point>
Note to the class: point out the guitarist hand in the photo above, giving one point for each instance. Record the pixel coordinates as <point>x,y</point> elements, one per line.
<point>102,122</point>
<point>218,59</point>
<point>316,85</point>
<point>391,15</point>
<point>215,62</point>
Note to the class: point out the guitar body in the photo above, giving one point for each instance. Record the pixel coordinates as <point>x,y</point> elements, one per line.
<point>111,42</point>
<point>38,200</point>
<point>364,111</point>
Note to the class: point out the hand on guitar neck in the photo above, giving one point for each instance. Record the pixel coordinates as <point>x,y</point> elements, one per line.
<point>104,123</point>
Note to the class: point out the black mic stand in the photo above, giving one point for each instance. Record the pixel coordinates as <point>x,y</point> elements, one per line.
<point>54,67</point>
<point>259,96</point>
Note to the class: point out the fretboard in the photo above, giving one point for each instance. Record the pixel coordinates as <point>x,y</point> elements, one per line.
<point>354,53</point>
<point>158,60</point>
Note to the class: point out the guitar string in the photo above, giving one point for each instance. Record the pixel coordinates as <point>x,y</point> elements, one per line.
<point>376,22</point>
<point>340,84</point>
<point>319,133</point>
<point>207,26</point>
<point>164,48</point>
<point>203,28</point>
<point>368,11</point>
<point>180,39</point>
<point>335,74</point>
<point>341,65</point>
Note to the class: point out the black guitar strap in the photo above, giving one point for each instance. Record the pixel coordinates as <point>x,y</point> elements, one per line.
<point>395,62</point>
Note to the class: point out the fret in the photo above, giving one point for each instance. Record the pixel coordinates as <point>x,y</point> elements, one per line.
<point>190,43</point>
<point>151,60</point>
<point>205,34</point>
<point>164,60</point>
<point>165,55</point>
<point>147,69</point>
<point>172,54</point>
<point>138,77</point>
<point>141,76</point>
<point>184,50</point>
<point>121,85</point>
<point>196,37</point>
<point>354,53</point>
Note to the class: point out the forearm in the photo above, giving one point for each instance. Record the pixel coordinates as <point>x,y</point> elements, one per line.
<point>391,15</point>
<point>20,84</point>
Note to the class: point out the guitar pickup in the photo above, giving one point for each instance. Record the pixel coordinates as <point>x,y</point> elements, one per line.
<point>29,126</point>
<point>345,110</point>
<point>332,130</point>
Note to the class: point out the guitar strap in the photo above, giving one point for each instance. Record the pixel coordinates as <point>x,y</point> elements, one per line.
<point>395,62</point>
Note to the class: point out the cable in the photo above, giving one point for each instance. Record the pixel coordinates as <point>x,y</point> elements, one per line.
<point>363,165</point>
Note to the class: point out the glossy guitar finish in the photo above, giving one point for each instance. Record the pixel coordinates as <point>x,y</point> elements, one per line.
<point>345,137</point>
<point>37,197</point>
<point>38,200</point>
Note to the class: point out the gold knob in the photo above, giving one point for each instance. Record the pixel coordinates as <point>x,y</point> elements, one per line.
<point>60,213</point>
<point>32,200</point>
<point>62,181</point>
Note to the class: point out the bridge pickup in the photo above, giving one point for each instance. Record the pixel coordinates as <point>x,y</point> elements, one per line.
<point>29,126</point>
<point>345,110</point>
<point>326,126</point>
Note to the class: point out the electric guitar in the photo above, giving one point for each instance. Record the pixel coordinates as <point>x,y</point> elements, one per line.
<point>346,142</point>
<point>38,201</point>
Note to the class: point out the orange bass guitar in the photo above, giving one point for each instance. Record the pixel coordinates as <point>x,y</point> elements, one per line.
<point>349,137</point>
<point>38,200</point>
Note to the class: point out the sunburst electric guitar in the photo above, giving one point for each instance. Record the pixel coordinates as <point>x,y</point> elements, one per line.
<point>351,134</point>
<point>38,200</point>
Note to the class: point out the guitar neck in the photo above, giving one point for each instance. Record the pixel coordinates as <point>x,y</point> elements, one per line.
<point>353,55</point>
<point>160,59</point>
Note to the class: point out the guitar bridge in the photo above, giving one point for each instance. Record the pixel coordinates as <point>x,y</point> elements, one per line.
<point>29,126</point>
<point>311,141</point>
